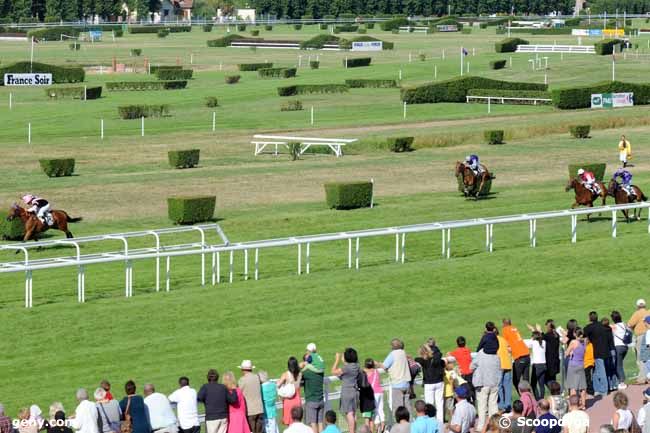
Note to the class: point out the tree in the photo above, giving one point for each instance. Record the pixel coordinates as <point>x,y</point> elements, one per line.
<point>22,10</point>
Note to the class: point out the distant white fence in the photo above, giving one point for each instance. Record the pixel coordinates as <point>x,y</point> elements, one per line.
<point>581,49</point>
<point>502,100</point>
<point>203,248</point>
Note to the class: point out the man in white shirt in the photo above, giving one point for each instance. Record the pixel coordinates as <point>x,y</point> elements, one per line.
<point>464,414</point>
<point>296,422</point>
<point>161,415</point>
<point>576,421</point>
<point>643,418</point>
<point>85,415</point>
<point>186,407</point>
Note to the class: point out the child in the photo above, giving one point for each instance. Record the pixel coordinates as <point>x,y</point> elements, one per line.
<point>106,386</point>
<point>330,422</point>
<point>269,396</point>
<point>374,380</point>
<point>489,342</point>
<point>452,380</point>
<point>464,359</point>
<point>589,364</point>
<point>313,359</point>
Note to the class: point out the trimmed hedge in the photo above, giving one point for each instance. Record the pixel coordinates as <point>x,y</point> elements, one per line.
<point>606,46</point>
<point>509,45</point>
<point>498,64</point>
<point>580,97</point>
<point>319,41</point>
<point>358,62</point>
<point>136,52</point>
<point>13,230</point>
<point>223,42</point>
<point>302,89</point>
<point>455,89</point>
<point>373,83</point>
<point>146,85</point>
<point>191,209</point>
<point>579,131</point>
<point>183,158</point>
<point>232,79</point>
<point>347,28</point>
<point>401,144</point>
<point>59,74</point>
<point>297,26</point>
<point>211,101</point>
<point>277,72</point>
<point>348,195</point>
<point>598,169</point>
<point>294,105</point>
<point>394,24</point>
<point>241,27</point>
<point>207,28</point>
<point>322,26</point>
<point>174,74</point>
<point>493,136</point>
<point>76,92</point>
<point>163,33</point>
<point>268,27</point>
<point>154,69</point>
<point>129,112</point>
<point>254,66</point>
<point>53,33</point>
<point>75,46</point>
<point>255,32</point>
<point>314,64</point>
<point>58,167</point>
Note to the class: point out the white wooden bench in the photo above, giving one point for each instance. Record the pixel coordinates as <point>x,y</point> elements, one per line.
<point>582,49</point>
<point>261,141</point>
<point>414,29</point>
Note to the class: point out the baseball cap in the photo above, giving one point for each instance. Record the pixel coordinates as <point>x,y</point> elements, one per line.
<point>646,393</point>
<point>461,391</point>
<point>640,302</point>
<point>647,319</point>
<point>311,347</point>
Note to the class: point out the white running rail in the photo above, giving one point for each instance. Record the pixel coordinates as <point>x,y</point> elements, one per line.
<point>583,49</point>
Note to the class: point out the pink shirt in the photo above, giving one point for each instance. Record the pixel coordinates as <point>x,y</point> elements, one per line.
<point>375,382</point>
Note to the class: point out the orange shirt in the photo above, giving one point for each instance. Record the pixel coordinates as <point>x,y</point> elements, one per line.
<point>589,356</point>
<point>464,359</point>
<point>517,346</point>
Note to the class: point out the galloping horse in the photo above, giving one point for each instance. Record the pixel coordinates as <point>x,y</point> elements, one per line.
<point>622,197</point>
<point>34,226</point>
<point>584,196</point>
<point>472,183</point>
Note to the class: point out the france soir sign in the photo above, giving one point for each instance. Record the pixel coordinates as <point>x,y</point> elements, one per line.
<point>37,79</point>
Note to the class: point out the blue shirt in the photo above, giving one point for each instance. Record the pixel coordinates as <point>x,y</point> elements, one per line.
<point>545,427</point>
<point>331,428</point>
<point>424,424</point>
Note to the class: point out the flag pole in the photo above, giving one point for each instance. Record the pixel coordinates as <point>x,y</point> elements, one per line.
<point>461,61</point>
<point>31,57</point>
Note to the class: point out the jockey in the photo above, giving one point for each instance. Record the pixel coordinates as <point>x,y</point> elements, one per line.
<point>626,180</point>
<point>473,162</point>
<point>589,180</point>
<point>39,206</point>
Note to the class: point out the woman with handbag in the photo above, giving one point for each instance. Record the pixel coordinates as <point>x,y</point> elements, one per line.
<point>622,338</point>
<point>134,414</point>
<point>237,419</point>
<point>109,412</point>
<point>289,389</point>
<point>349,374</point>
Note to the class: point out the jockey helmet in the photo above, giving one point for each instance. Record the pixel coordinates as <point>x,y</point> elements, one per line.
<point>468,158</point>
<point>581,171</point>
<point>28,198</point>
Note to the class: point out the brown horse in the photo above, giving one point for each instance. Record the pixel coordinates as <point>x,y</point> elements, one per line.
<point>584,196</point>
<point>472,184</point>
<point>622,197</point>
<point>34,226</point>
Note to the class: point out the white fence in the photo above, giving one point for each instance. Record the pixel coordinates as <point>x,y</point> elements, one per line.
<point>203,248</point>
<point>582,49</point>
<point>502,100</point>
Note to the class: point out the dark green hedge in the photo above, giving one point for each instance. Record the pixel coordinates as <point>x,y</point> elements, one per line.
<point>174,74</point>
<point>232,79</point>
<point>146,85</point>
<point>255,33</point>
<point>394,24</point>
<point>13,230</point>
<point>137,111</point>
<point>455,90</point>
<point>277,72</point>
<point>163,33</point>
<point>191,209</point>
<point>579,131</point>
<point>254,66</point>
<point>59,74</point>
<point>360,83</point>
<point>401,144</point>
<point>293,105</point>
<point>348,28</point>
<point>606,46</point>
<point>184,158</point>
<point>268,27</point>
<point>580,97</point>
<point>498,64</point>
<point>76,92</point>
<point>52,33</point>
<point>314,64</point>
<point>154,68</point>
<point>357,62</point>
<point>348,195</point>
<point>241,27</point>
<point>224,42</point>
<point>211,101</point>
<point>319,41</point>
<point>493,136</point>
<point>509,45</point>
<point>57,167</point>
<point>302,89</point>
<point>207,28</point>
<point>598,169</point>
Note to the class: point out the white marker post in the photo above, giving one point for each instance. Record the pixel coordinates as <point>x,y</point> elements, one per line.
<point>372,196</point>
<point>191,58</point>
<point>85,93</point>
<point>545,79</point>
<point>312,115</point>
<point>29,133</point>
<point>473,52</point>
<point>404,115</point>
<point>489,105</point>
<point>410,57</point>
<point>101,129</point>
<point>443,54</point>
<point>468,67</point>
<point>11,102</point>
<point>532,63</point>
<point>300,61</point>
<point>461,61</point>
<point>214,121</point>
<point>510,61</point>
<point>400,75</point>
<point>435,72</point>
<point>613,70</point>
<point>346,62</point>
<point>142,126</point>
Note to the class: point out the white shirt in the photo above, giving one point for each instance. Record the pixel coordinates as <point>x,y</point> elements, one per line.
<point>576,421</point>
<point>538,355</point>
<point>624,419</point>
<point>619,333</point>
<point>85,418</point>
<point>640,419</point>
<point>161,414</point>
<point>298,427</point>
<point>186,407</point>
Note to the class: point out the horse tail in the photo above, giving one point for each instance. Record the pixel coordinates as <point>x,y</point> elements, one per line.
<point>69,219</point>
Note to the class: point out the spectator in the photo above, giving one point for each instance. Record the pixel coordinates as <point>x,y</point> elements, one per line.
<point>505,384</point>
<point>106,386</point>
<point>598,336</point>
<point>269,397</point>
<point>251,388</point>
<point>5,421</point>
<point>464,413</point>
<point>619,331</point>
<point>422,423</point>
<point>520,353</point>
<point>402,418</point>
<point>433,374</point>
<point>624,150</point>
<point>489,342</point>
<point>537,346</point>
<point>552,340</point>
<point>60,425</point>
<point>558,406</point>
<point>463,357</point>
<point>430,410</point>
<point>622,418</point>
<point>548,422</point>
<point>237,420</point>
<point>25,426</point>
<point>589,367</point>
<point>493,425</point>
<point>330,422</point>
<point>606,428</point>
<point>400,375</point>
<point>187,408</point>
<point>133,406</point>
<point>314,404</point>
<point>297,426</point>
<point>85,415</point>
<point>643,416</point>
<point>54,408</point>
<point>527,399</point>
<point>518,421</point>
<point>638,325</point>
<point>452,380</point>
<point>374,380</point>
<point>610,361</point>
<point>577,420</point>
<point>216,398</point>
<point>161,414</point>
<point>313,358</point>
<point>109,412</point>
<point>289,389</point>
<point>348,375</point>
<point>486,377</point>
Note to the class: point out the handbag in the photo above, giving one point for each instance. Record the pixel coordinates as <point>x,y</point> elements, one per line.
<point>114,425</point>
<point>127,425</point>
<point>287,390</point>
<point>362,380</point>
<point>635,427</point>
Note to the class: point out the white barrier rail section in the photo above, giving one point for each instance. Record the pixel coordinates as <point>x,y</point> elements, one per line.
<point>503,99</point>
<point>583,49</point>
<point>353,238</point>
